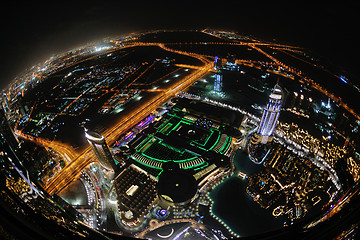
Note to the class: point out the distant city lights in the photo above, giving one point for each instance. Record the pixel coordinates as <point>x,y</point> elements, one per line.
<point>101,48</point>
<point>151,108</point>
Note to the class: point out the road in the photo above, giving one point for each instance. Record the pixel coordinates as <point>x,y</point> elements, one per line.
<point>81,160</point>
<point>65,150</point>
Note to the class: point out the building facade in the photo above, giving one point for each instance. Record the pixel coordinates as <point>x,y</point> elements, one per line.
<point>270,115</point>
<point>217,63</point>
<point>101,150</point>
<point>218,82</point>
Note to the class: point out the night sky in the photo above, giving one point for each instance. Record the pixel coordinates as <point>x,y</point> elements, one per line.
<point>32,32</point>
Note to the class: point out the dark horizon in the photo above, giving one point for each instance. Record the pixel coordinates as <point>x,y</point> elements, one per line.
<point>35,33</point>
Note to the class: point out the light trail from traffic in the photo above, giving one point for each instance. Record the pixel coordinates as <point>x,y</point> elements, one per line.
<point>72,170</point>
<point>80,160</point>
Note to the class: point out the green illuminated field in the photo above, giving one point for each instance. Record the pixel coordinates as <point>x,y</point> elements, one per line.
<point>181,138</point>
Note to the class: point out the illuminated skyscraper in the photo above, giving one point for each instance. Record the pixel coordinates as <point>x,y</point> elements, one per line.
<point>271,112</point>
<point>101,150</point>
<point>218,82</point>
<point>217,63</point>
<point>270,115</point>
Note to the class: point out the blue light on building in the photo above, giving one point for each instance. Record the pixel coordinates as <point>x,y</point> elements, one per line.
<point>218,82</point>
<point>217,63</point>
<point>271,112</point>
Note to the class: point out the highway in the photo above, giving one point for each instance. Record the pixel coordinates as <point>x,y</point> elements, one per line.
<point>81,160</point>
<point>65,150</point>
<point>77,161</point>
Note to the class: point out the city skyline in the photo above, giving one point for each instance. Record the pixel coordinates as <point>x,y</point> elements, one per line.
<point>146,135</point>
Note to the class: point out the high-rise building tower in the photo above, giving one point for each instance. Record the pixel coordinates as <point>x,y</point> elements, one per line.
<point>218,82</point>
<point>270,114</point>
<point>101,150</point>
<point>217,63</point>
